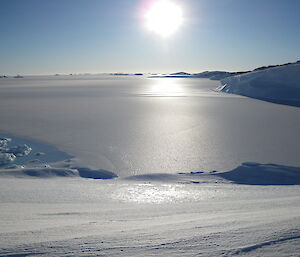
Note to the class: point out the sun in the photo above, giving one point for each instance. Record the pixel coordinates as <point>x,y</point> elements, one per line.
<point>164,17</point>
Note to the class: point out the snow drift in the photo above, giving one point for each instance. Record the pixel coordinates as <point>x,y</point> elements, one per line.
<point>248,173</point>
<point>95,174</point>
<point>51,172</point>
<point>263,174</point>
<point>280,84</point>
<point>39,172</point>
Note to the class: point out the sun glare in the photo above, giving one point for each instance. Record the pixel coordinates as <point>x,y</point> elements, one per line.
<point>164,17</point>
<point>166,87</point>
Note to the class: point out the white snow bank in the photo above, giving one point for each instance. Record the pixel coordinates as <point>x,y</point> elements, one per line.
<point>248,173</point>
<point>39,172</point>
<point>263,174</point>
<point>96,174</point>
<point>279,83</point>
<point>49,172</point>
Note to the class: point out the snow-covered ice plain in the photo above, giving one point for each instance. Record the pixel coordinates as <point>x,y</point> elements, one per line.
<point>169,141</point>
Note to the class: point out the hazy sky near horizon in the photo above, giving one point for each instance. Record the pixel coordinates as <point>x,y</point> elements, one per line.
<point>78,36</point>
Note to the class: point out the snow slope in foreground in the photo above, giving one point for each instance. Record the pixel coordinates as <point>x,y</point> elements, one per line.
<point>275,84</point>
<point>152,215</point>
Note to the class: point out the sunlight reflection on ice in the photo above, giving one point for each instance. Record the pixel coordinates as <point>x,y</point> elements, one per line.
<point>161,193</point>
<point>166,87</point>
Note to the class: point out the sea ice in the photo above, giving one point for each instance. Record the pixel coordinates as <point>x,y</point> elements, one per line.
<point>6,158</point>
<point>3,142</point>
<point>20,150</point>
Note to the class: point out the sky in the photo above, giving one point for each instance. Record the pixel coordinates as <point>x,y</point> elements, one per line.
<point>95,36</point>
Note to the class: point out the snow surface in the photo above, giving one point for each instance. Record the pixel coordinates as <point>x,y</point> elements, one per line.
<point>263,174</point>
<point>169,141</point>
<point>136,217</point>
<point>280,84</point>
<point>48,172</point>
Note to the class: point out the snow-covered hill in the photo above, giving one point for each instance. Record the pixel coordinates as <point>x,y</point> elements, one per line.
<point>280,84</point>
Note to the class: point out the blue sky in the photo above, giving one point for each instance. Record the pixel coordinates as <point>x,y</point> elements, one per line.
<point>77,36</point>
